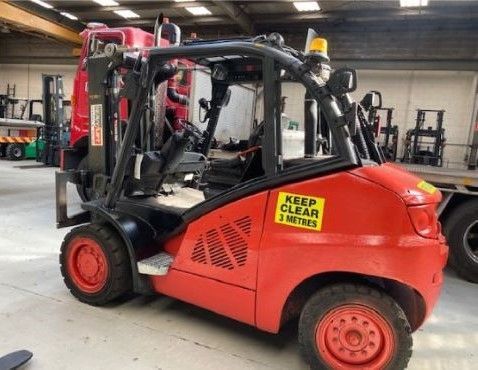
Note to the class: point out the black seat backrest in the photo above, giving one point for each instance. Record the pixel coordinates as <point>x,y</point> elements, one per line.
<point>156,165</point>
<point>173,151</point>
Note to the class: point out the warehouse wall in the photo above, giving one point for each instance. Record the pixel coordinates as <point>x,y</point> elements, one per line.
<point>408,90</point>
<point>404,90</point>
<point>28,80</point>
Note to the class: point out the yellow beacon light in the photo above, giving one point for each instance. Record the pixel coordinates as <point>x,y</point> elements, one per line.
<point>318,46</point>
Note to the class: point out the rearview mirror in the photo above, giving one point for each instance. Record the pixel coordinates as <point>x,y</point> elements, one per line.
<point>342,81</point>
<point>372,99</point>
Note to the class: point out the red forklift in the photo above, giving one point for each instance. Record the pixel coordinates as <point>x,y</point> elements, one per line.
<point>307,237</point>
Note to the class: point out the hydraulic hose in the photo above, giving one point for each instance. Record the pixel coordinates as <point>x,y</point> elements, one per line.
<point>174,95</point>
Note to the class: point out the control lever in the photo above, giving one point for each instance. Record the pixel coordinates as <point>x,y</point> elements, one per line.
<point>205,105</point>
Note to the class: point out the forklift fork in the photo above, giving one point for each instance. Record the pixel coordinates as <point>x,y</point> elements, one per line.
<point>62,178</point>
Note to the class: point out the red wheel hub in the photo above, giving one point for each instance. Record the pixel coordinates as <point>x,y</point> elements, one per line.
<point>353,337</point>
<point>87,264</point>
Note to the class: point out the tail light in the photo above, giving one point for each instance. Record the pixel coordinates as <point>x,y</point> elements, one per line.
<point>425,220</point>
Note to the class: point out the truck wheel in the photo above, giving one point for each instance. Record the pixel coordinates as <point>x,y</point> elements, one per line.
<point>85,192</point>
<point>461,230</point>
<point>347,326</point>
<point>15,152</point>
<point>95,265</point>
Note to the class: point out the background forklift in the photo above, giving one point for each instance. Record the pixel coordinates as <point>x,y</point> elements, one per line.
<point>425,145</point>
<point>280,243</point>
<point>54,135</point>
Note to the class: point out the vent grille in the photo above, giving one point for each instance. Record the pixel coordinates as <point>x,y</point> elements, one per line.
<point>224,246</point>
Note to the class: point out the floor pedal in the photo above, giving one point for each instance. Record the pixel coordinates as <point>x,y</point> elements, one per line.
<point>156,265</point>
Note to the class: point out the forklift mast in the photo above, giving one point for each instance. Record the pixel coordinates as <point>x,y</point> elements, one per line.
<point>55,132</point>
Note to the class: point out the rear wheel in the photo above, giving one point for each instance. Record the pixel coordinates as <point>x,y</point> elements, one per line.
<point>95,264</point>
<point>15,152</point>
<point>461,230</point>
<point>351,327</point>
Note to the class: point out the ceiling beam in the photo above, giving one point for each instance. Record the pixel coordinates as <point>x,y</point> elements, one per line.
<point>183,21</point>
<point>26,21</point>
<point>90,8</point>
<point>237,15</point>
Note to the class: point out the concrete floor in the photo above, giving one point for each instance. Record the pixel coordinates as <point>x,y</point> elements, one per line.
<point>38,313</point>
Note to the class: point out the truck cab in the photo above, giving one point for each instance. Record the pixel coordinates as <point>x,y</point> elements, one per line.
<point>174,101</point>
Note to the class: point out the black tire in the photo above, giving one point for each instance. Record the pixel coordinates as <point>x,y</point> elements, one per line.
<point>459,228</point>
<point>84,191</point>
<point>341,296</point>
<point>15,152</point>
<point>118,277</point>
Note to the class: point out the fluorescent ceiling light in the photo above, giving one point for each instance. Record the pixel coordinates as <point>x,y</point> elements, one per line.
<point>106,2</point>
<point>42,3</point>
<point>198,10</point>
<point>413,3</point>
<point>183,1</point>
<point>126,13</point>
<point>306,6</point>
<point>69,15</point>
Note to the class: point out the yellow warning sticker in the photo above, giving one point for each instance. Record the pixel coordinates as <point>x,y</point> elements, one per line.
<point>426,187</point>
<point>301,211</point>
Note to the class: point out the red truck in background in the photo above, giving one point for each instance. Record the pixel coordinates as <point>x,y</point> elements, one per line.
<point>96,36</point>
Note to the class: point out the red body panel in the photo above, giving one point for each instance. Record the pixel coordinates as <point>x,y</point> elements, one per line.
<point>220,250</point>
<point>366,229</point>
<point>225,299</point>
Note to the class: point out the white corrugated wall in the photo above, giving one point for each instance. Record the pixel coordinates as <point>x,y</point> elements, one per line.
<point>404,90</point>
<point>408,90</point>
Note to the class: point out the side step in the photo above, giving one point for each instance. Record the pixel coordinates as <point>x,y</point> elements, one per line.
<point>156,265</point>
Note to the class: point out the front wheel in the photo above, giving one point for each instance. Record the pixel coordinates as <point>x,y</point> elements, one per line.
<point>95,264</point>
<point>349,327</point>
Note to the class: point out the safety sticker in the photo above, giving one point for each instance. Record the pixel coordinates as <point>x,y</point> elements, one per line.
<point>96,117</point>
<point>301,211</point>
<point>426,187</point>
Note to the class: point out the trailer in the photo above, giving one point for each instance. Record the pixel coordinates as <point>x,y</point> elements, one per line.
<point>18,138</point>
<point>458,214</point>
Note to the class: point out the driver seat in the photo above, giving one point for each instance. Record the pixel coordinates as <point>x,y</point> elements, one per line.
<point>156,165</point>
